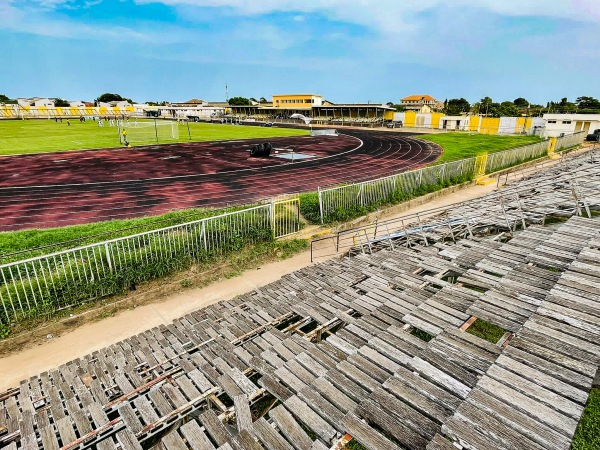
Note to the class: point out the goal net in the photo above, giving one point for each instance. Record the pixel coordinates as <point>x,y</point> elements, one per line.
<point>138,131</point>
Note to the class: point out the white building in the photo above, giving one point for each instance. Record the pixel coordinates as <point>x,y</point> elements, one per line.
<point>557,124</point>
<point>77,104</point>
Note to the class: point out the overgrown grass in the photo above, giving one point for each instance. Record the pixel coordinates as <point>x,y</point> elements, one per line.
<point>486,330</point>
<point>355,445</point>
<point>309,203</point>
<point>55,239</point>
<point>39,136</point>
<point>587,436</point>
<point>463,145</point>
<point>423,335</point>
<point>63,298</point>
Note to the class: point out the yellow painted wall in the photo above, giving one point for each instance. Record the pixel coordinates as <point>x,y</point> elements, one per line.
<point>410,119</point>
<point>297,101</point>
<point>389,115</point>
<point>435,120</point>
<point>74,110</point>
<point>489,125</point>
<point>474,123</point>
<point>129,109</point>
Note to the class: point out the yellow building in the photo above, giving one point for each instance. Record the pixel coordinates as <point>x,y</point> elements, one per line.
<point>297,101</point>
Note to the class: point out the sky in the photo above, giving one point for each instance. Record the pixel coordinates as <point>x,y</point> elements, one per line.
<point>353,51</point>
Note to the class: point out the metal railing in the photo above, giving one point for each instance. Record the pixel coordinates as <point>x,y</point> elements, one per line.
<point>570,140</point>
<point>335,203</point>
<point>500,160</point>
<point>503,210</point>
<point>45,284</point>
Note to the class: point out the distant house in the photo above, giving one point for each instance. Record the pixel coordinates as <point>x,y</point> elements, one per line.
<point>193,103</point>
<point>421,103</point>
<point>36,101</point>
<point>77,104</point>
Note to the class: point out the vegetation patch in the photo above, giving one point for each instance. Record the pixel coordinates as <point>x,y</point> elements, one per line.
<point>355,445</point>
<point>423,335</point>
<point>36,242</point>
<point>486,330</point>
<point>587,436</point>
<point>464,145</point>
<point>64,296</point>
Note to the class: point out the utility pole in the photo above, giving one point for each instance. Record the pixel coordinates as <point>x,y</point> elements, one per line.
<point>226,93</point>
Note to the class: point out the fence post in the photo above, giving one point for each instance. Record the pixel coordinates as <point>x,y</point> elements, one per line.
<point>362,195</point>
<point>272,217</point>
<point>321,204</point>
<point>110,267</point>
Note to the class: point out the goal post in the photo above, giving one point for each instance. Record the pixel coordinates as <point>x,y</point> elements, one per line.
<point>136,131</point>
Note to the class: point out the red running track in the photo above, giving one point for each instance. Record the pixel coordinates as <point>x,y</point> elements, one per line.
<point>67,188</point>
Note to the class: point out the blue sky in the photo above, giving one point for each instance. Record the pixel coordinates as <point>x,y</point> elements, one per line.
<point>346,50</point>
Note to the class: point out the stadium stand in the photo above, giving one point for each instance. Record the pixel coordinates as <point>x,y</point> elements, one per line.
<point>338,347</point>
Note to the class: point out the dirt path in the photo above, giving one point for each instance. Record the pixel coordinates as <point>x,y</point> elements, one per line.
<point>93,336</point>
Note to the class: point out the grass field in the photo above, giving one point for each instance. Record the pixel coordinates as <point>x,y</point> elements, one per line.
<point>39,136</point>
<point>460,146</point>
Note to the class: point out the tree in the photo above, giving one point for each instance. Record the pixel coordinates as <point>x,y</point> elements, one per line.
<point>7,100</point>
<point>483,106</point>
<point>456,106</point>
<point>253,100</point>
<point>587,103</point>
<point>263,100</point>
<point>61,102</point>
<point>390,104</point>
<point>239,101</point>
<point>521,102</point>
<point>108,97</point>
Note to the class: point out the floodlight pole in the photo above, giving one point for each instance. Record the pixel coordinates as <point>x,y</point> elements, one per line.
<point>188,127</point>
<point>155,130</point>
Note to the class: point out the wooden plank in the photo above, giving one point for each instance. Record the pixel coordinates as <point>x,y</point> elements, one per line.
<point>128,440</point>
<point>290,429</point>
<point>440,377</point>
<point>440,443</point>
<point>334,395</point>
<point>65,430</point>
<point>391,425</point>
<point>366,435</point>
<point>214,427</point>
<point>173,441</point>
<point>537,431</point>
<point>275,388</point>
<point>529,406</point>
<point>267,435</point>
<point>322,406</point>
<point>243,416</point>
<point>195,437</point>
<point>245,441</point>
<point>313,421</point>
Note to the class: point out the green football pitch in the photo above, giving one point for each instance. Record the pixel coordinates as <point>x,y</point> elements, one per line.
<point>39,136</point>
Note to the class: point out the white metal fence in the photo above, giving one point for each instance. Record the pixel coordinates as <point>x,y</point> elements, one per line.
<point>499,160</point>
<point>45,284</point>
<point>570,140</point>
<point>337,202</point>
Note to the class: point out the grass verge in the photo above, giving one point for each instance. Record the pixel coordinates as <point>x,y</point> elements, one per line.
<point>486,330</point>
<point>463,145</point>
<point>587,435</point>
<point>34,242</point>
<point>197,275</point>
